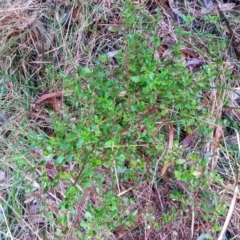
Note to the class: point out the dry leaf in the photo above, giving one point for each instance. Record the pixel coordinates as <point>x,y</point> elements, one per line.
<point>188,140</point>
<point>52,99</point>
<point>57,105</point>
<point>49,96</point>
<point>189,52</point>
<point>217,136</point>
<point>198,226</point>
<point>51,171</point>
<point>194,62</point>
<point>169,41</point>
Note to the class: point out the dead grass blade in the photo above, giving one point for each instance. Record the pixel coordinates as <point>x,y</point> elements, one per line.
<point>229,215</point>
<point>227,7</point>
<point>174,9</point>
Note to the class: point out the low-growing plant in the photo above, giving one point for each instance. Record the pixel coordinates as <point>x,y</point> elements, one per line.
<point>107,140</point>
<point>110,115</point>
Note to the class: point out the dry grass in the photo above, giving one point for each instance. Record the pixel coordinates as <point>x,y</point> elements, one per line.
<point>38,39</point>
<point>33,36</point>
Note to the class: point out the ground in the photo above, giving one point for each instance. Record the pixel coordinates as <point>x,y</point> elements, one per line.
<point>119,119</point>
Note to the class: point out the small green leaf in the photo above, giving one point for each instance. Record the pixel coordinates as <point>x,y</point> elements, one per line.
<point>135,79</point>
<point>121,158</point>
<point>109,143</point>
<point>88,215</point>
<point>71,137</point>
<point>80,143</point>
<point>181,161</point>
<point>59,160</point>
<point>84,224</point>
<point>85,70</point>
<point>97,161</point>
<point>134,214</point>
<point>121,169</point>
<point>64,175</point>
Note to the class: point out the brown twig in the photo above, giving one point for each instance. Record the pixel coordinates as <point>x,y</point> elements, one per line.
<point>233,40</point>
<point>217,136</point>
<point>149,112</point>
<point>80,208</point>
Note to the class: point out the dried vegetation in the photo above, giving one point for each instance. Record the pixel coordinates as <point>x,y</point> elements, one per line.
<point>39,40</point>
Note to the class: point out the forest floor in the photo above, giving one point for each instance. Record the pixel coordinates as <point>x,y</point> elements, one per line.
<point>119,119</point>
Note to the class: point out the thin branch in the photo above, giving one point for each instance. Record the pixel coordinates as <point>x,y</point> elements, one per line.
<point>233,38</point>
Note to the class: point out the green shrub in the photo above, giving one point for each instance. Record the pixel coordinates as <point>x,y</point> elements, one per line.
<point>110,115</point>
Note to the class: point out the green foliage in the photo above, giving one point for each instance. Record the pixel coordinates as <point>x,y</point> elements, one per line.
<point>108,147</point>
<point>109,120</point>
